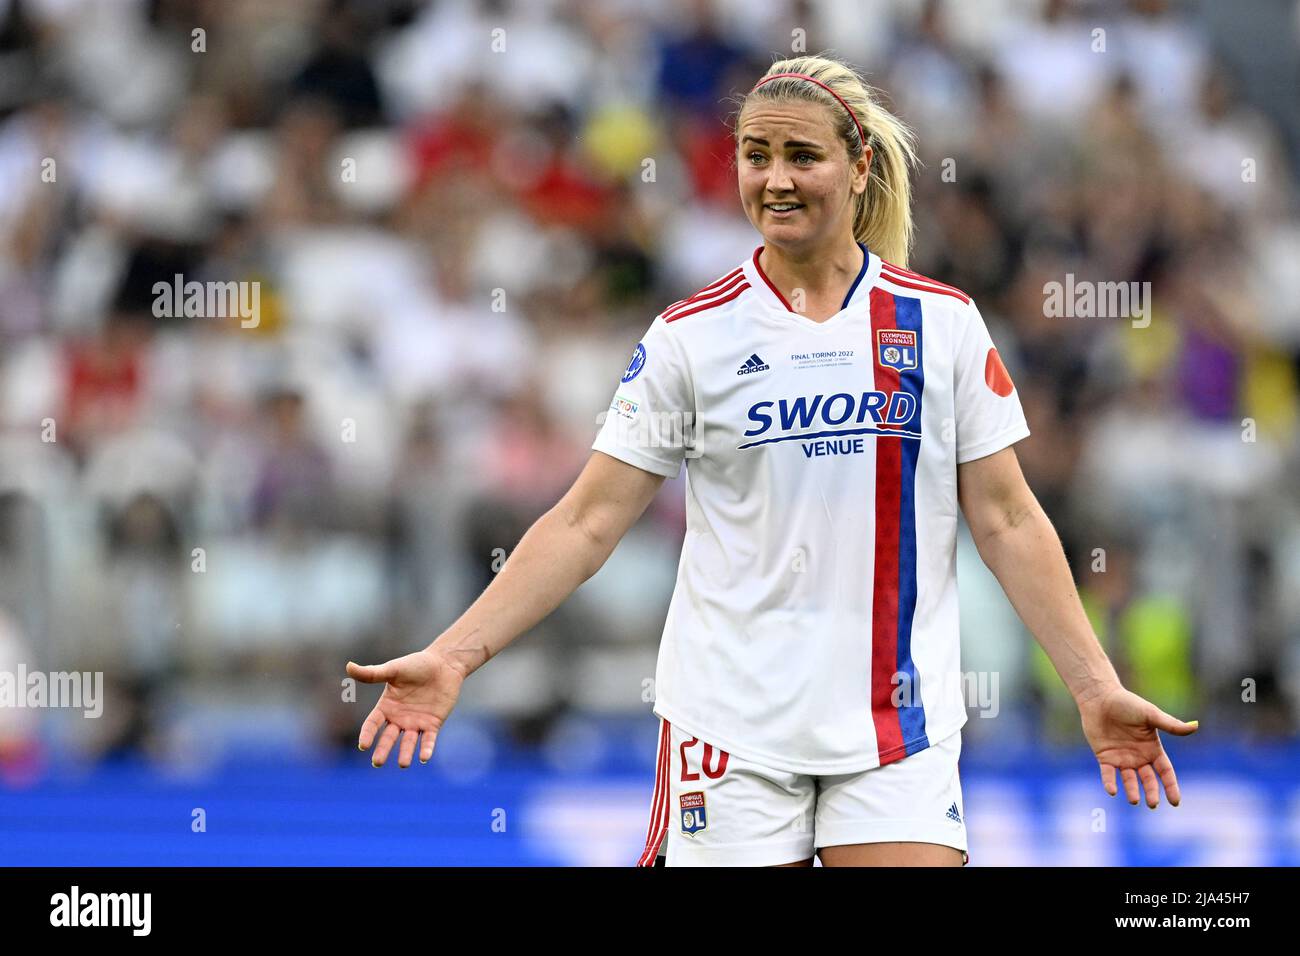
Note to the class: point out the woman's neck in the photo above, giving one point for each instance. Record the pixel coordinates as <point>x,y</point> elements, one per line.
<point>816,271</point>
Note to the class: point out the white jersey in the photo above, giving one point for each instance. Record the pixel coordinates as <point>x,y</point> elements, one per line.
<point>813,627</point>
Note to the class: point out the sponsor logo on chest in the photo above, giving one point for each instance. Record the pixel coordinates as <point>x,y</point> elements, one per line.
<point>833,422</point>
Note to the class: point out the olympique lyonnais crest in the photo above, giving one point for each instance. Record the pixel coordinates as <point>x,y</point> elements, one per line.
<point>693,819</point>
<point>896,348</point>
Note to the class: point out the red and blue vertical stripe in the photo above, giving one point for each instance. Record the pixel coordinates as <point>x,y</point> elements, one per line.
<point>900,730</point>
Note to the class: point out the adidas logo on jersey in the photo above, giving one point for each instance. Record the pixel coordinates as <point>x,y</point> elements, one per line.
<point>953,813</point>
<point>753,364</point>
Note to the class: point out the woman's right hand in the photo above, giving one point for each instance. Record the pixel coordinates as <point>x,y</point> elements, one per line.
<point>420,691</point>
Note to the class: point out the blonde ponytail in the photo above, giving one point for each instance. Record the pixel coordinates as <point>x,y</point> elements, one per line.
<point>882,213</point>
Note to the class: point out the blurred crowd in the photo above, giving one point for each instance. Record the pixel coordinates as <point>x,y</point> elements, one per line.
<point>459,218</point>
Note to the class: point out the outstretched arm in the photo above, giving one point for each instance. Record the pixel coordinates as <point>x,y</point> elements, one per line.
<point>562,549</point>
<point>1015,538</point>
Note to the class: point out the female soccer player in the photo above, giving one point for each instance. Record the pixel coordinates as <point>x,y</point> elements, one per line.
<point>833,409</point>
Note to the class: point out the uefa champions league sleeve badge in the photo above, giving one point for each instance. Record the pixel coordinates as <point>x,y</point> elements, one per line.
<point>638,362</point>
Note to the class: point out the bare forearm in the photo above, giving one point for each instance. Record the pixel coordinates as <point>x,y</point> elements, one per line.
<point>552,559</point>
<point>1027,558</point>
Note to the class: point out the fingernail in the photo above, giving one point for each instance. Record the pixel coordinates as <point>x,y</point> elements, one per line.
<point>361,748</point>
<point>375,765</point>
<point>1195,723</point>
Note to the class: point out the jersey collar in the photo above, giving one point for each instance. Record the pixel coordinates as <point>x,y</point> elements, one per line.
<point>768,292</point>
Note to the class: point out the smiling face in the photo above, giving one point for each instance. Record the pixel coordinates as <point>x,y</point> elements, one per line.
<point>796,182</point>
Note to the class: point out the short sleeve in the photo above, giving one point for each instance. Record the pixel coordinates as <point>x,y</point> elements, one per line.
<point>988,411</point>
<point>650,422</point>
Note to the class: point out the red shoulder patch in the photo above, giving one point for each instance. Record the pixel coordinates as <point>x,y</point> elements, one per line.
<point>996,376</point>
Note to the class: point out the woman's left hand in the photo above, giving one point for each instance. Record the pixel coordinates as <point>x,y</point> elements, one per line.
<point>1122,728</point>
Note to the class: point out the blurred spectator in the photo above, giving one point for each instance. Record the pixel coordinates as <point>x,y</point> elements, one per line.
<point>293,489</point>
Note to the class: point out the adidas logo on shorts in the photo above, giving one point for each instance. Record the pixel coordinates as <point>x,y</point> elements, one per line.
<point>953,813</point>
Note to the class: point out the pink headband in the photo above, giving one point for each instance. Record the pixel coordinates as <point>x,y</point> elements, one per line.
<point>805,76</point>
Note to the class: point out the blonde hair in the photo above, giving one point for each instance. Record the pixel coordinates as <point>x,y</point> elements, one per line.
<point>882,213</point>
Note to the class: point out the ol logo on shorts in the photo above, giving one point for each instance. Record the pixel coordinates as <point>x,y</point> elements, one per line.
<point>693,818</point>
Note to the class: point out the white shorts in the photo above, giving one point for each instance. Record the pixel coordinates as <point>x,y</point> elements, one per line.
<point>713,809</point>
